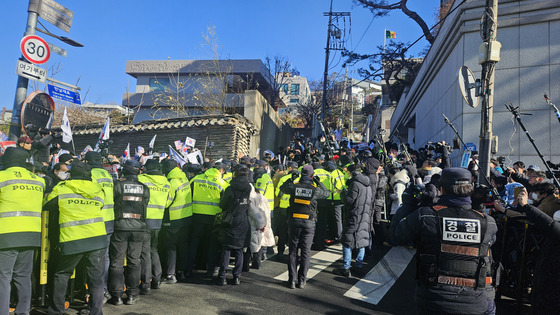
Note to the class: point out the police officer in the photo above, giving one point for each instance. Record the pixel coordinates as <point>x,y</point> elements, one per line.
<point>105,180</point>
<point>339,177</point>
<point>161,197</point>
<point>324,207</point>
<point>207,190</point>
<point>131,203</point>
<point>302,215</point>
<point>177,221</point>
<point>280,218</point>
<point>453,247</point>
<point>77,233</point>
<point>21,195</point>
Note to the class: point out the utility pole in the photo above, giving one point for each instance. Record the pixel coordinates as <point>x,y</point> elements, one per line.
<point>338,40</point>
<point>489,55</point>
<point>326,73</point>
<point>22,83</point>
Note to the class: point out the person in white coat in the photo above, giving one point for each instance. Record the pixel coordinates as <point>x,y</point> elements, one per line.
<point>399,181</point>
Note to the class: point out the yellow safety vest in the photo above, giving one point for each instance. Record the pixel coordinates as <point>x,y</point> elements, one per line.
<point>324,177</point>
<point>80,218</point>
<point>181,206</point>
<point>105,180</point>
<point>227,176</point>
<point>207,191</point>
<point>266,188</point>
<point>284,198</point>
<point>161,197</point>
<point>21,195</point>
<point>338,183</point>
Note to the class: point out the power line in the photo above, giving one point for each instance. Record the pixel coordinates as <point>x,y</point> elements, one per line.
<point>416,41</point>
<point>364,34</point>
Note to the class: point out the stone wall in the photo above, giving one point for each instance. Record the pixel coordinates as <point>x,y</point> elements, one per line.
<point>231,135</point>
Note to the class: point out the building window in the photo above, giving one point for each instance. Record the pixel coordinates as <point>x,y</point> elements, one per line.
<point>294,101</point>
<point>294,89</point>
<point>284,88</point>
<point>159,84</point>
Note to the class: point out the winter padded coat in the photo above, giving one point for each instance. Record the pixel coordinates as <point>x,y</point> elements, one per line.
<point>370,170</point>
<point>235,206</point>
<point>358,207</point>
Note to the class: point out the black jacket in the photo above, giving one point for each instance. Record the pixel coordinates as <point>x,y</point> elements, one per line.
<point>131,198</point>
<point>235,207</point>
<point>319,192</point>
<point>423,228</point>
<point>546,282</point>
<point>40,147</point>
<point>358,211</point>
<point>370,170</point>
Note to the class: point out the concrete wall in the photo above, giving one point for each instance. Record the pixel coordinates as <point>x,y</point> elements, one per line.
<point>273,132</point>
<point>529,67</point>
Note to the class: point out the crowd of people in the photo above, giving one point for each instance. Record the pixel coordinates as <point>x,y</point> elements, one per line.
<point>162,221</point>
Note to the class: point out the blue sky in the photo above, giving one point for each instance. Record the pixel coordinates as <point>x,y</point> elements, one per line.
<point>116,31</point>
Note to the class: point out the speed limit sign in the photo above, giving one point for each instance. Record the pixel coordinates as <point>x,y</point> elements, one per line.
<point>35,49</point>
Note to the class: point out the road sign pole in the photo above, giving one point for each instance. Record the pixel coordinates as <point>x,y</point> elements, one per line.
<point>22,83</point>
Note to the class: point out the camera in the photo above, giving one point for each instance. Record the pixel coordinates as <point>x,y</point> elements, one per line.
<point>552,165</point>
<point>438,147</point>
<point>104,147</point>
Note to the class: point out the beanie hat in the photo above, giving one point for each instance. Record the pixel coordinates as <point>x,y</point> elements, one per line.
<point>372,163</point>
<point>80,170</point>
<point>14,156</point>
<point>344,160</point>
<point>220,165</point>
<point>93,158</point>
<point>167,165</point>
<point>354,168</point>
<point>63,158</point>
<point>330,166</point>
<point>151,164</point>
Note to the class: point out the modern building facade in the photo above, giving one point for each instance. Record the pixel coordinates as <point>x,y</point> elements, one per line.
<point>169,89</point>
<point>530,62</point>
<point>294,89</point>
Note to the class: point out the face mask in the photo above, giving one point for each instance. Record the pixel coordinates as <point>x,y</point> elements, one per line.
<point>535,196</point>
<point>63,175</point>
<point>69,166</point>
<point>41,175</point>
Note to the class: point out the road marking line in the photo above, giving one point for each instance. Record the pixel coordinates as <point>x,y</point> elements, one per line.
<point>319,262</point>
<point>373,287</point>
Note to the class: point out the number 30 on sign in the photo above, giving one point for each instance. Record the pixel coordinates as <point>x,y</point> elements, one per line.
<point>35,49</point>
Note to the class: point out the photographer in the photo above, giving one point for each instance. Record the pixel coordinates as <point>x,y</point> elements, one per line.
<point>533,176</point>
<point>544,198</point>
<point>546,282</point>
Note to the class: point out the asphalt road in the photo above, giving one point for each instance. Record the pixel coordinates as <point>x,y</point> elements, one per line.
<point>260,292</point>
<point>386,287</point>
